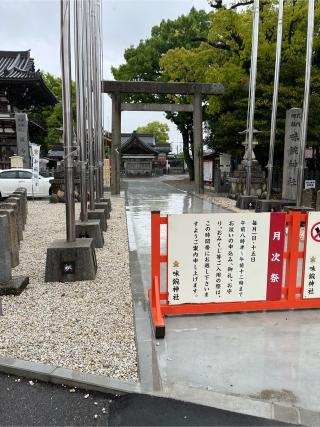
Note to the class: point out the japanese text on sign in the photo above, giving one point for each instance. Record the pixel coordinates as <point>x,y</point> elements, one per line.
<point>215,258</point>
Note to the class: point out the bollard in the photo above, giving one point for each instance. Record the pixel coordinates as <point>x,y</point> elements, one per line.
<point>23,191</point>
<point>5,257</point>
<point>14,206</point>
<point>22,212</point>
<point>8,285</point>
<point>14,238</point>
<point>23,198</point>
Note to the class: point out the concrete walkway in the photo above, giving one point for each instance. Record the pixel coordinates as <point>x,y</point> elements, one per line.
<point>267,357</point>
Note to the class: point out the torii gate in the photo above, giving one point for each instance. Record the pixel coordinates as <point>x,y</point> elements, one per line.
<point>116,88</point>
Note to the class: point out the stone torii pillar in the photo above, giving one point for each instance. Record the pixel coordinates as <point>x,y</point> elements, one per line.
<point>198,143</point>
<point>116,143</point>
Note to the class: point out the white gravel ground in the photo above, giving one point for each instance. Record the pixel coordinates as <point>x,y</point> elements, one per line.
<point>87,326</point>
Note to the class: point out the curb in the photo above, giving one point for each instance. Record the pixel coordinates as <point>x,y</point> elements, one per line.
<point>182,392</point>
<point>56,375</point>
<point>242,404</point>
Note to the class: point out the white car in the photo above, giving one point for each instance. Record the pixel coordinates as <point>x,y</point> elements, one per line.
<point>11,179</point>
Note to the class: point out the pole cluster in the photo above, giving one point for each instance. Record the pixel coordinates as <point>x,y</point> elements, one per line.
<point>89,112</point>
<point>252,91</point>
<point>251,102</point>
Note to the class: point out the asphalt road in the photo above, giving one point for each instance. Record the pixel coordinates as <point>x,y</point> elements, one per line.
<point>40,404</point>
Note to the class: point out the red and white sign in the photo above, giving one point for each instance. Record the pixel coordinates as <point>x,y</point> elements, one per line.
<point>311,283</point>
<point>275,259</point>
<point>225,258</point>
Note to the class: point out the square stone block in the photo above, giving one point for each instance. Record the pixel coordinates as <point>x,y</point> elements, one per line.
<point>14,286</point>
<point>246,202</point>
<point>100,215</point>
<point>91,230</point>
<point>71,261</point>
<point>104,206</point>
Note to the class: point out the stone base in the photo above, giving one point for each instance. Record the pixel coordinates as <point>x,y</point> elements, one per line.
<point>106,200</point>
<point>90,230</point>
<point>101,216</point>
<point>272,205</point>
<point>246,202</point>
<point>15,286</point>
<point>302,209</point>
<point>71,261</point>
<point>104,206</point>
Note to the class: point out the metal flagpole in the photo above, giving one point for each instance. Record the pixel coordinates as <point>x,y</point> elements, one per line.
<point>305,112</point>
<point>90,105</point>
<point>96,93</point>
<point>254,59</point>
<point>65,53</point>
<point>275,100</point>
<point>101,94</point>
<point>100,53</point>
<point>81,111</point>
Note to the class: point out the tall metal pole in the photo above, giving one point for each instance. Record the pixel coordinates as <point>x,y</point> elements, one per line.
<point>90,104</point>
<point>252,92</point>
<point>305,112</point>
<point>96,96</point>
<point>275,100</point>
<point>65,53</point>
<point>100,39</point>
<point>80,96</point>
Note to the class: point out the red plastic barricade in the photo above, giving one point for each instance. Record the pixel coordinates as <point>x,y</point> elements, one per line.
<point>291,292</point>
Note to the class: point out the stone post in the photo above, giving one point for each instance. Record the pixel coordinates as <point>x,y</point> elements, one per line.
<point>116,143</point>
<point>306,198</point>
<point>198,143</point>
<point>5,257</point>
<point>14,237</point>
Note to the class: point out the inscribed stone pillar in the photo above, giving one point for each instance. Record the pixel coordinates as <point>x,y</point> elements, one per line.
<point>291,153</point>
<point>23,138</point>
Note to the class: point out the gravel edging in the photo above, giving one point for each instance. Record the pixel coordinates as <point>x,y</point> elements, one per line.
<point>84,326</point>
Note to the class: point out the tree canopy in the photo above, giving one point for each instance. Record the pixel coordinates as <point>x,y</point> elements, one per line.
<point>215,47</point>
<point>159,130</point>
<point>50,118</point>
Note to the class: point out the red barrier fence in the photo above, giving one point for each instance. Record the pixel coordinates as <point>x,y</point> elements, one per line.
<point>291,295</point>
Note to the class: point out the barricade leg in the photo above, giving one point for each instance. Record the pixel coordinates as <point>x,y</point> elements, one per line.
<point>154,293</point>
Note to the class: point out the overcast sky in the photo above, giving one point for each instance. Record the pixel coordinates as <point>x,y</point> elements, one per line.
<point>34,24</point>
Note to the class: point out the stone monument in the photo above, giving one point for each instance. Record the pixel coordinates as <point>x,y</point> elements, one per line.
<point>291,154</point>
<point>238,178</point>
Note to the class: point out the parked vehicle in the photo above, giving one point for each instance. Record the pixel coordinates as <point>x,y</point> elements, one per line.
<point>11,179</point>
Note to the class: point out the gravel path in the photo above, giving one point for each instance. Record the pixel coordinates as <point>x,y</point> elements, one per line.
<point>87,326</point>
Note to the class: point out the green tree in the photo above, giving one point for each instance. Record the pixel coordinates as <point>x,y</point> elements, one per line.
<point>50,117</point>
<point>224,57</point>
<point>159,130</point>
<point>143,63</point>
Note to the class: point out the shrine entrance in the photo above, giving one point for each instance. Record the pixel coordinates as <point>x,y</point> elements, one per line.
<point>117,88</point>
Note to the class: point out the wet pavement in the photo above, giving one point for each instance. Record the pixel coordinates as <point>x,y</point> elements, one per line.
<point>269,356</point>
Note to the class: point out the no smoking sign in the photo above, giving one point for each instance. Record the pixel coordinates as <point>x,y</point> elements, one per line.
<point>315,232</point>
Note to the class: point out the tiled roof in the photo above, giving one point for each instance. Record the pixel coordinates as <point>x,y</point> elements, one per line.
<point>17,65</point>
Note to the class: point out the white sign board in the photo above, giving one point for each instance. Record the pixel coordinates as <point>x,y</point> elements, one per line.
<point>309,183</point>
<point>218,258</point>
<point>225,163</point>
<point>207,170</point>
<point>311,284</point>
<point>35,152</point>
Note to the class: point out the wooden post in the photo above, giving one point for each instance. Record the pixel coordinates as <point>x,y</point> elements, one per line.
<point>116,143</point>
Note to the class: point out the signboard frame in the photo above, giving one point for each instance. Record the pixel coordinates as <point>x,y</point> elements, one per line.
<point>291,291</point>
